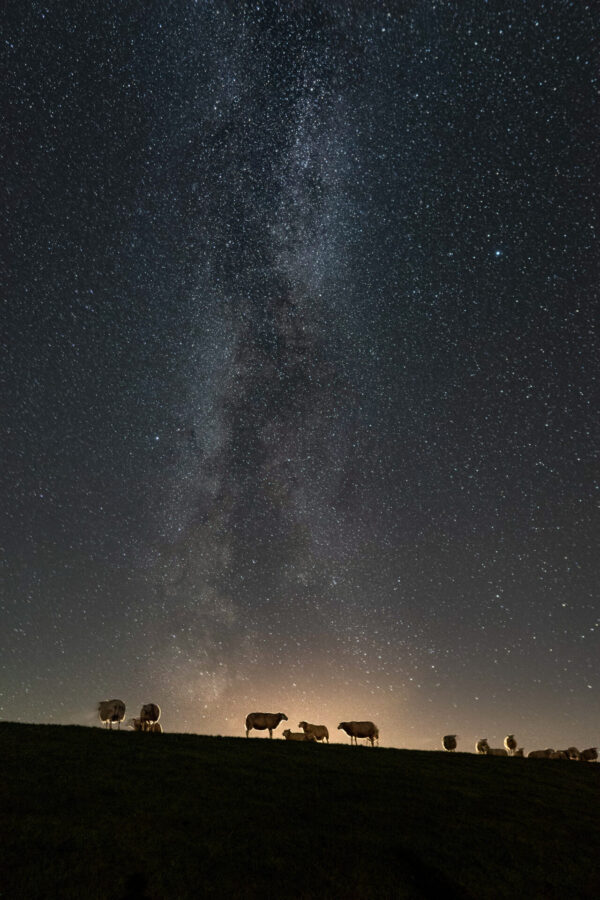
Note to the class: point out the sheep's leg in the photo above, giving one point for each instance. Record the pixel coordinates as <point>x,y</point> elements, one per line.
<point>271,733</point>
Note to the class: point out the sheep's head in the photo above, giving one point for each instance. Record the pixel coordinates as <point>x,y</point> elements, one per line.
<point>286,732</point>
<point>282,716</point>
<point>302,725</point>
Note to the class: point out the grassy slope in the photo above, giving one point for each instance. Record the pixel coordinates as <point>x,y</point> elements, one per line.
<point>88,813</point>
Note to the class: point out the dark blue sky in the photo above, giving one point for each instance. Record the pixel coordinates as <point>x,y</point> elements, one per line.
<point>301,370</point>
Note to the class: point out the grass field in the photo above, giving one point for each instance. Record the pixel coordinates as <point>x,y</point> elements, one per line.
<point>86,813</point>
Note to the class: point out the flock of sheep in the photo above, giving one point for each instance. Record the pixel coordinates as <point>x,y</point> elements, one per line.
<point>511,748</point>
<point>112,712</point>
<point>270,721</point>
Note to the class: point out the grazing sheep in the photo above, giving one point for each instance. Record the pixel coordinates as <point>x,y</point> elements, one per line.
<point>482,746</point>
<point>589,755</point>
<point>449,742</point>
<point>111,711</point>
<point>510,744</point>
<point>540,754</point>
<point>358,730</point>
<point>320,732</point>
<point>264,721</point>
<point>496,751</point>
<point>298,736</point>
<point>149,714</point>
<point>573,753</point>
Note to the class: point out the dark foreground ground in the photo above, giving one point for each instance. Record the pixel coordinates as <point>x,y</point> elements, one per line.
<point>86,813</point>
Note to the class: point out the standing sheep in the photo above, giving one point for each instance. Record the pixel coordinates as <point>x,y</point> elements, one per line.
<point>449,742</point>
<point>510,744</point>
<point>149,714</point>
<point>482,746</point>
<point>320,732</point>
<point>111,711</point>
<point>358,730</point>
<point>264,722</point>
<point>589,755</point>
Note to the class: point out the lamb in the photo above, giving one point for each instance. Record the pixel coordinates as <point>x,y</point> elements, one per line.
<point>111,711</point>
<point>149,714</point>
<point>298,736</point>
<point>540,754</point>
<point>449,742</point>
<point>264,721</point>
<point>156,727</point>
<point>137,724</point>
<point>320,732</point>
<point>510,744</point>
<point>589,755</point>
<point>482,746</point>
<point>496,751</point>
<point>520,752</point>
<point>360,730</point>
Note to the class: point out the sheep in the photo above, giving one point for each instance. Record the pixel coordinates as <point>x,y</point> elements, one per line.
<point>559,754</point>
<point>264,721</point>
<point>482,746</point>
<point>573,753</point>
<point>358,730</point>
<point>449,742</point>
<point>496,751</point>
<point>510,744</point>
<point>149,714</point>
<point>540,754</point>
<point>589,755</point>
<point>320,732</point>
<point>520,752</point>
<point>138,724</point>
<point>111,711</point>
<point>298,736</point>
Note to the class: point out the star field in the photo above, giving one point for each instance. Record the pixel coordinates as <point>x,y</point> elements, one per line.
<point>301,366</point>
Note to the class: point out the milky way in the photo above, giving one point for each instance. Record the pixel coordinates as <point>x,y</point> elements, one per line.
<point>301,366</point>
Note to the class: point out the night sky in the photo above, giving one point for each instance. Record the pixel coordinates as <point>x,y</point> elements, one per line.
<point>300,375</point>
